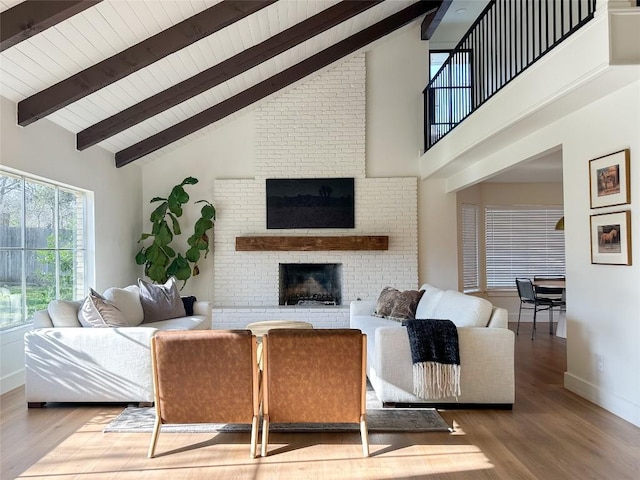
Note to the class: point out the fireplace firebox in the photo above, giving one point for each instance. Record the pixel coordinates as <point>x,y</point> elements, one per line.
<point>310,284</point>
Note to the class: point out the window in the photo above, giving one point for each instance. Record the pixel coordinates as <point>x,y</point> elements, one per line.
<point>436,60</point>
<point>449,92</point>
<point>522,242</point>
<point>470,257</point>
<point>42,246</point>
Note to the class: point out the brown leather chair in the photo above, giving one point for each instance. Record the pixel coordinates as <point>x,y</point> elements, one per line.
<point>314,376</point>
<point>205,376</point>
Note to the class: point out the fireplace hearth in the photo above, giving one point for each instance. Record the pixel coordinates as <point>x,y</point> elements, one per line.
<point>310,284</point>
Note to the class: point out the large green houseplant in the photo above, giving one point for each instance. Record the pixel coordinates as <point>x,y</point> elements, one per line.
<point>162,258</point>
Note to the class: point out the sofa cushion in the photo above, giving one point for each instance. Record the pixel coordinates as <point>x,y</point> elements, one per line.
<point>463,310</point>
<point>429,301</point>
<point>127,300</point>
<point>193,322</point>
<point>394,304</point>
<point>96,311</point>
<point>160,302</point>
<point>64,313</point>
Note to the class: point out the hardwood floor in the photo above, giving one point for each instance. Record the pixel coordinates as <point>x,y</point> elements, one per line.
<point>550,434</point>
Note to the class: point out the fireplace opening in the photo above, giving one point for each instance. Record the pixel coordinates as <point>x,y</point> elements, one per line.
<point>310,284</point>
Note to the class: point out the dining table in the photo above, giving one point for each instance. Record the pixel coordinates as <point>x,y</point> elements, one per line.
<point>561,330</point>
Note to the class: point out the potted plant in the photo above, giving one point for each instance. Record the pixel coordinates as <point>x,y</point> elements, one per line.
<point>162,259</point>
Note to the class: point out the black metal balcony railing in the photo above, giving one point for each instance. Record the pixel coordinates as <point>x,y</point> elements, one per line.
<point>507,37</point>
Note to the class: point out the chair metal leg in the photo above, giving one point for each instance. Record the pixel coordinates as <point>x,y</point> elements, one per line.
<point>535,313</point>
<point>519,313</point>
<point>550,320</point>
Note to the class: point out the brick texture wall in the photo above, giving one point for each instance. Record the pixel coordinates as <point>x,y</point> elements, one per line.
<point>315,130</point>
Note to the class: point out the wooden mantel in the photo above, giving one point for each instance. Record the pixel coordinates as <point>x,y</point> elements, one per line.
<point>311,243</point>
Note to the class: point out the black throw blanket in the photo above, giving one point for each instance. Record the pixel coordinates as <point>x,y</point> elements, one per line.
<point>436,358</point>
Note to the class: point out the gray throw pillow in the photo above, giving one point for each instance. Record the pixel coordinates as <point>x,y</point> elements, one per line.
<point>160,302</point>
<point>96,311</point>
<point>397,305</point>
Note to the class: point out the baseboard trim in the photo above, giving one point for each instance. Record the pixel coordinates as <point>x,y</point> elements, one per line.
<point>12,381</point>
<point>623,408</point>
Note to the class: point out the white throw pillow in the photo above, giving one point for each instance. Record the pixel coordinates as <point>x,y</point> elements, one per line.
<point>429,301</point>
<point>96,311</point>
<point>463,310</point>
<point>64,313</point>
<point>127,300</point>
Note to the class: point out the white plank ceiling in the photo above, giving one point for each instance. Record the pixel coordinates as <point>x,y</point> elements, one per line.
<point>112,26</point>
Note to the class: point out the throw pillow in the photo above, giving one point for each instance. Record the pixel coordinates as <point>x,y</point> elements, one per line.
<point>127,300</point>
<point>96,311</point>
<point>397,305</point>
<point>160,302</point>
<point>384,304</point>
<point>64,313</point>
<point>188,304</point>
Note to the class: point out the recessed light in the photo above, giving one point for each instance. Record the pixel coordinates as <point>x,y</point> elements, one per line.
<point>460,11</point>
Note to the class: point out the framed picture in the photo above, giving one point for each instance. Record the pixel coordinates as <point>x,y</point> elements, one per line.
<point>611,238</point>
<point>609,179</point>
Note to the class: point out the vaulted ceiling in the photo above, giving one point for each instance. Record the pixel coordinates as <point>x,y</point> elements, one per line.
<point>140,77</point>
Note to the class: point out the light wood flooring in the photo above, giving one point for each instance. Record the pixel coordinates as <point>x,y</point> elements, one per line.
<point>550,434</point>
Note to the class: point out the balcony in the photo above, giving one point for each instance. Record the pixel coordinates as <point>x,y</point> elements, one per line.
<point>532,79</point>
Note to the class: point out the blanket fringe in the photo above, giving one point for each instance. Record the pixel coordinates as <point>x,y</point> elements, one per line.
<point>436,380</point>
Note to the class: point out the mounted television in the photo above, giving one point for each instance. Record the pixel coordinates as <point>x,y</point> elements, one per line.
<point>310,203</point>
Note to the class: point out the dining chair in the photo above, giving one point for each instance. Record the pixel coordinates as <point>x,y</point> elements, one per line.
<point>205,376</point>
<point>314,376</point>
<point>529,300</point>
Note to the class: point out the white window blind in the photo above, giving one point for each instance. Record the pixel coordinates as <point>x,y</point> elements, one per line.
<point>522,242</point>
<point>470,257</point>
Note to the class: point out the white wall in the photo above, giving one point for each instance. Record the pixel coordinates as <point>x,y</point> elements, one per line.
<point>397,72</point>
<point>603,305</point>
<point>46,150</point>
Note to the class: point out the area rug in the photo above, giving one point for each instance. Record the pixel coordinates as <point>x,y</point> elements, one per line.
<point>141,420</point>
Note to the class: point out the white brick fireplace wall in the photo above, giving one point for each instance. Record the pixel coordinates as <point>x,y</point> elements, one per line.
<point>315,130</point>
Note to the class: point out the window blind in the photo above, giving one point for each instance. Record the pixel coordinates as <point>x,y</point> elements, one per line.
<point>522,242</point>
<point>470,248</point>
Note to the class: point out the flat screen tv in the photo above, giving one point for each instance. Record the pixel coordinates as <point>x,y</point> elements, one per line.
<point>310,203</point>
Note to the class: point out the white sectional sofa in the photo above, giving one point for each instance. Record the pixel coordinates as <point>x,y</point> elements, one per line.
<point>72,363</point>
<point>485,342</point>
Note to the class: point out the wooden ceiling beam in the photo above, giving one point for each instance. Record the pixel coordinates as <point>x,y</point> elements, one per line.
<point>221,72</point>
<point>433,19</point>
<point>136,57</point>
<point>271,85</point>
<point>29,18</point>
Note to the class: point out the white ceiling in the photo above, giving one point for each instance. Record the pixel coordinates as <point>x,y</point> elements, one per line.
<point>545,169</point>
<point>456,22</point>
<point>112,26</point>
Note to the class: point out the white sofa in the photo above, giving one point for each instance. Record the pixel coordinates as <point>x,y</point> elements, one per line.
<point>485,342</point>
<point>72,363</point>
